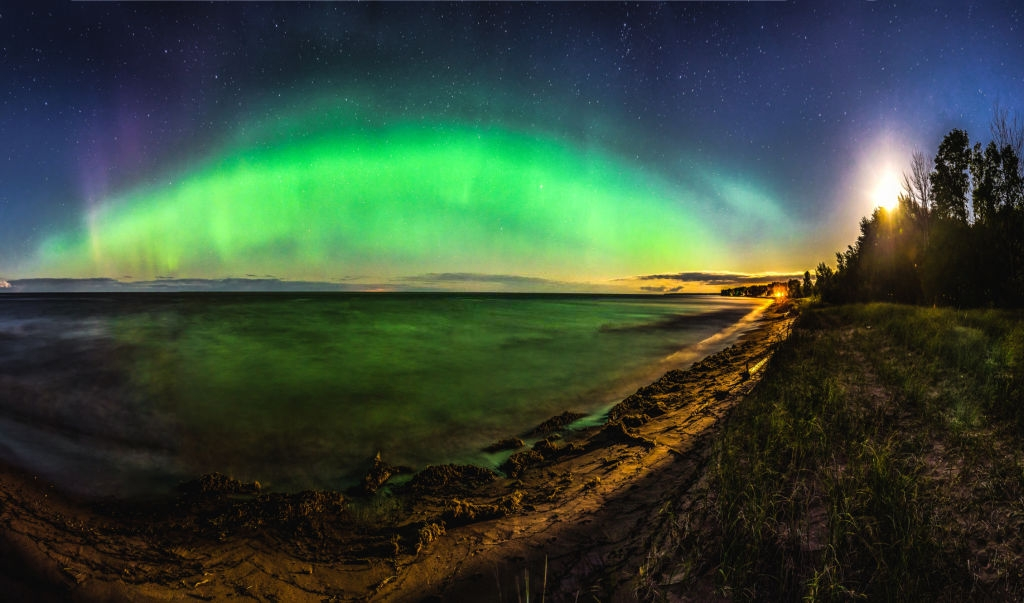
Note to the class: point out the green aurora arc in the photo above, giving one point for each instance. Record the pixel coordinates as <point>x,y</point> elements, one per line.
<point>399,200</point>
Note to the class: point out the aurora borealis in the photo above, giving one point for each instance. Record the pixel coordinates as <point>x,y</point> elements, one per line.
<point>520,147</point>
<point>409,197</point>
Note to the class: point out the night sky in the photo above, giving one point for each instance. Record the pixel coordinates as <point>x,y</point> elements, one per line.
<point>501,146</point>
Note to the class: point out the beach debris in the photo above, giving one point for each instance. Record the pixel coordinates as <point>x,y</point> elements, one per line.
<point>555,423</point>
<point>460,512</point>
<point>388,580</point>
<point>218,506</point>
<point>428,532</point>
<point>414,537</point>
<point>309,504</point>
<point>506,444</point>
<point>218,485</point>
<point>379,474</point>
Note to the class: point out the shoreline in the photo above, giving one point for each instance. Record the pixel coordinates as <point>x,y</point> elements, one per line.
<point>449,531</point>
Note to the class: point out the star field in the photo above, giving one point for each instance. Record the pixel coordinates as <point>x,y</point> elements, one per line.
<point>751,134</point>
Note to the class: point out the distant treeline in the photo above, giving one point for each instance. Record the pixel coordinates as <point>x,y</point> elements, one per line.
<point>791,288</point>
<point>956,237</point>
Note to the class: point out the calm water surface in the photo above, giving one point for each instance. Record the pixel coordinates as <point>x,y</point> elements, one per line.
<point>129,394</point>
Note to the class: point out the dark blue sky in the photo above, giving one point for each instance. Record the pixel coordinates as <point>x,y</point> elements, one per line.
<point>807,104</point>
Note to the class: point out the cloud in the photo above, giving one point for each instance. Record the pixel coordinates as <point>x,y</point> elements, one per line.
<point>662,289</point>
<point>718,278</point>
<point>243,284</point>
<point>472,277</point>
<point>499,283</point>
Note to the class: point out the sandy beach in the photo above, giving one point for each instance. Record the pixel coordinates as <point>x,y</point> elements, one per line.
<point>574,517</point>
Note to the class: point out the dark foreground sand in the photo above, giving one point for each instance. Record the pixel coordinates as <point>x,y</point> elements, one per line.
<point>575,519</point>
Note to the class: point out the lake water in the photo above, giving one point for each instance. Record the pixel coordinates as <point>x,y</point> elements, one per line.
<point>129,394</point>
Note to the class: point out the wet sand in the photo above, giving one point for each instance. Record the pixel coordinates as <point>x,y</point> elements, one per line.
<point>574,518</point>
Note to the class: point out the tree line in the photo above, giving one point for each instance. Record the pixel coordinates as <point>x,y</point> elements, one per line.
<point>956,237</point>
<point>790,288</point>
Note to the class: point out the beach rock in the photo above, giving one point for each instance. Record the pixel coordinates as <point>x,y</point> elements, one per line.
<point>550,452</point>
<point>520,461</point>
<point>636,403</point>
<point>555,423</point>
<point>546,449</point>
<point>643,402</point>
<point>634,421</point>
<point>506,444</point>
<point>617,433</point>
<point>655,410</point>
<point>671,382</point>
<point>447,478</point>
<point>715,362</point>
<point>674,377</point>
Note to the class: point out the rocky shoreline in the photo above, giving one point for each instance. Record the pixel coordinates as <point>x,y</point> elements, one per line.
<point>574,508</point>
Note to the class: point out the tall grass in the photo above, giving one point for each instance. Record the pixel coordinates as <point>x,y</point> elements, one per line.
<point>822,486</point>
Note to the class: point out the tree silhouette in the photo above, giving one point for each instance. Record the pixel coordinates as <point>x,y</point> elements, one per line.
<point>917,184</point>
<point>1009,185</point>
<point>927,250</point>
<point>1007,130</point>
<point>985,172</point>
<point>949,180</point>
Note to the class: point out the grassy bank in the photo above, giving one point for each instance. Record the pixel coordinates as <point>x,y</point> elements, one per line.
<point>882,457</point>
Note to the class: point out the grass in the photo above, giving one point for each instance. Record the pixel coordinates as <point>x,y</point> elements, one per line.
<point>880,458</point>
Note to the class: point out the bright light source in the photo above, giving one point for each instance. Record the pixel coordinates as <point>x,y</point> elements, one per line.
<point>886,191</point>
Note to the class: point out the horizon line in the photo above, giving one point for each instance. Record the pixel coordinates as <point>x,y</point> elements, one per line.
<point>695,283</point>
